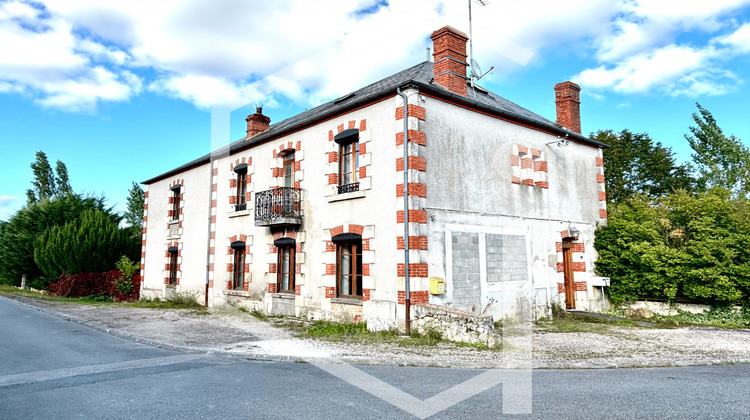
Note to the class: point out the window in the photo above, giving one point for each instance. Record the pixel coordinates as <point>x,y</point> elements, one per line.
<point>289,170</point>
<point>176,202</point>
<point>348,141</point>
<point>285,269</point>
<point>348,265</point>
<point>172,265</point>
<point>241,202</point>
<point>238,272</point>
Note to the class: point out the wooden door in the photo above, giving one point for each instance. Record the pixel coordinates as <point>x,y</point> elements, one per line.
<point>570,290</point>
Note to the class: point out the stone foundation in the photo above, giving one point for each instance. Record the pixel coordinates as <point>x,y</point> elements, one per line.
<point>454,324</point>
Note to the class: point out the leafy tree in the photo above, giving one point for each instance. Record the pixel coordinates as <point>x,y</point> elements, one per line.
<point>92,242</point>
<point>634,164</point>
<point>47,184</point>
<point>44,179</point>
<point>134,214</point>
<point>19,233</point>
<point>721,161</point>
<point>61,180</point>
<point>679,246</point>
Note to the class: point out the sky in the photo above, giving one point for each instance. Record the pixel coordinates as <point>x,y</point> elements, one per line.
<point>123,91</point>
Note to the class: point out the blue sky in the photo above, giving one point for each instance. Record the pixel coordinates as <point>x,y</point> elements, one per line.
<point>122,91</point>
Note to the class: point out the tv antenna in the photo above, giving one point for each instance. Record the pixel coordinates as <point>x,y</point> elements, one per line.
<point>475,72</point>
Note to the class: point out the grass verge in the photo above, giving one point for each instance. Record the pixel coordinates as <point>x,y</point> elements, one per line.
<point>176,301</point>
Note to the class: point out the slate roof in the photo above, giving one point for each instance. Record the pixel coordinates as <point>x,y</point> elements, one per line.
<point>420,75</point>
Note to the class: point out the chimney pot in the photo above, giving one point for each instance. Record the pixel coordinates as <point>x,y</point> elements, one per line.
<point>568,104</point>
<point>257,123</point>
<point>449,57</point>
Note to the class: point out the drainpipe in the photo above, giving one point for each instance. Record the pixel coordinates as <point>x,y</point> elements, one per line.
<point>407,300</point>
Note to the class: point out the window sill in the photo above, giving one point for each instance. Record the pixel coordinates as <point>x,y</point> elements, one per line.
<point>283,295</point>
<point>347,301</point>
<point>239,213</point>
<point>239,293</point>
<point>346,196</point>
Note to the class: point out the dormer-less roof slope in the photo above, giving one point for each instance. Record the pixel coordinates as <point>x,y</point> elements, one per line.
<point>420,75</point>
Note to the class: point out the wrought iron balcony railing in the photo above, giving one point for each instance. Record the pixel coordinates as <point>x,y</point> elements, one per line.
<point>278,207</point>
<point>346,188</point>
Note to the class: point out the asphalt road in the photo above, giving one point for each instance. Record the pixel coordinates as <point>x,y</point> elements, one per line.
<point>51,368</point>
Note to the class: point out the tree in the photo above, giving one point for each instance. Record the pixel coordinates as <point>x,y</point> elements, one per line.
<point>61,180</point>
<point>19,233</point>
<point>44,179</point>
<point>134,214</point>
<point>92,242</point>
<point>47,184</point>
<point>634,164</point>
<point>721,161</point>
<point>694,246</point>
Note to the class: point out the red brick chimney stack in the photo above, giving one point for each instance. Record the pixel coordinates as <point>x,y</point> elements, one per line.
<point>568,102</point>
<point>449,46</point>
<point>257,123</point>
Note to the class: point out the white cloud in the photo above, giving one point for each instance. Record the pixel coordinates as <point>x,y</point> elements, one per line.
<point>73,54</point>
<point>644,52</point>
<point>42,56</point>
<point>6,200</point>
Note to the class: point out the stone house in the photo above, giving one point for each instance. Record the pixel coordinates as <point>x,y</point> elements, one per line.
<point>307,217</point>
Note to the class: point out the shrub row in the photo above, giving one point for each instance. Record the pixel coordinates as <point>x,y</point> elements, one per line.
<point>97,285</point>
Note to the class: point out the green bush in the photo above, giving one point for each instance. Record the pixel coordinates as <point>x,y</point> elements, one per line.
<point>92,242</point>
<point>680,246</point>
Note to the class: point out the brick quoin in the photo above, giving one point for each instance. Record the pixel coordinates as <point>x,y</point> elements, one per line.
<point>542,184</point>
<point>415,136</point>
<point>330,269</point>
<point>337,231</point>
<point>330,292</point>
<point>415,162</point>
<point>415,296</point>
<point>599,161</point>
<point>579,266</point>
<point>514,160</point>
<point>528,181</point>
<point>515,180</point>
<point>415,216</point>
<point>602,196</point>
<point>580,286</point>
<point>415,242</point>
<point>536,153</point>
<point>600,178</point>
<point>540,166</point>
<point>602,213</point>
<point>415,111</point>
<point>522,150</point>
<point>365,295</point>
<point>415,270</point>
<point>526,163</point>
<point>415,189</point>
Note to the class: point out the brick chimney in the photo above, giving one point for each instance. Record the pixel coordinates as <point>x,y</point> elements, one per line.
<point>568,102</point>
<point>449,56</point>
<point>257,123</point>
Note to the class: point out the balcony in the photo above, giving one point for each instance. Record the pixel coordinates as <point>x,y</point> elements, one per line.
<point>278,207</point>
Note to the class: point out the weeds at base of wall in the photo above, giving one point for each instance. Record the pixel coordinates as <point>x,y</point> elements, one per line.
<point>719,316</point>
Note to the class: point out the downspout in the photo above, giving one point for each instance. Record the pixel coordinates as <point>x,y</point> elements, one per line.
<point>407,300</point>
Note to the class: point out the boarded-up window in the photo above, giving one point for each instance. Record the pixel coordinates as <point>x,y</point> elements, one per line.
<point>506,258</point>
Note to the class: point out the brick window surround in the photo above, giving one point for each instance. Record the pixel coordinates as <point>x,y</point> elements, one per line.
<point>529,166</point>
<point>350,134</point>
<point>239,197</point>
<point>354,242</point>
<point>238,251</point>
<point>173,264</point>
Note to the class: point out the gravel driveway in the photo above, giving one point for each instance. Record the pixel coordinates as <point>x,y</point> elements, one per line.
<point>228,330</point>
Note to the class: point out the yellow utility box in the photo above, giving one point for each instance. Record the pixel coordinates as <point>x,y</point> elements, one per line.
<point>437,286</point>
